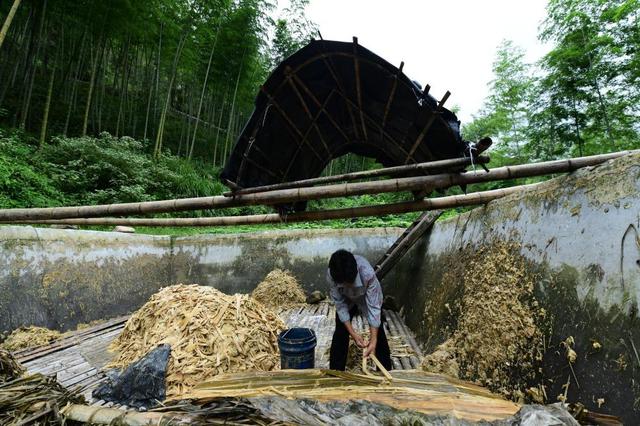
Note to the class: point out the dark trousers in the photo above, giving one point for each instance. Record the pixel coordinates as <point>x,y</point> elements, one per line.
<point>340,345</point>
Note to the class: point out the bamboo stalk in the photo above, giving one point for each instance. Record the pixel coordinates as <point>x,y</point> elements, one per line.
<point>8,20</point>
<point>423,183</point>
<point>430,166</point>
<point>383,370</point>
<point>105,416</point>
<point>474,198</point>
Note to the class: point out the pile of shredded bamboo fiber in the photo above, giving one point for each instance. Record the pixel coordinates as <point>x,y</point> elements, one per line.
<point>279,290</point>
<point>10,369</point>
<point>209,332</point>
<point>497,342</point>
<point>29,337</point>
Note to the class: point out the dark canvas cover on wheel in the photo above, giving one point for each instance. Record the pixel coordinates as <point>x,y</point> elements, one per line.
<point>331,98</point>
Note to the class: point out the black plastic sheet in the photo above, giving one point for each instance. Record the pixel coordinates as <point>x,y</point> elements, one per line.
<point>141,384</point>
<point>366,413</point>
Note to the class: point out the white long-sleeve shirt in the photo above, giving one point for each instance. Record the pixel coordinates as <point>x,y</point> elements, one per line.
<point>366,293</point>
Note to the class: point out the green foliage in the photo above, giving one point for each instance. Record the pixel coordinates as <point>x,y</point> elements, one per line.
<point>104,170</point>
<point>585,95</point>
<point>120,62</point>
<point>94,171</point>
<point>505,115</point>
<point>22,182</point>
<point>292,31</point>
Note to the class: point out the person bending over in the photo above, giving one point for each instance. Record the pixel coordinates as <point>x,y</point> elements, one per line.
<point>355,288</point>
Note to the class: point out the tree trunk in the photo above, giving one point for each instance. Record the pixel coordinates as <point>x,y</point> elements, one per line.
<point>10,82</point>
<point>92,83</point>
<point>29,89</point>
<point>74,85</point>
<point>233,106</point>
<point>157,82</point>
<point>146,116</point>
<point>47,104</point>
<point>204,86</point>
<point>215,150</point>
<point>7,21</point>
<point>577,125</point>
<point>123,86</point>
<point>102,83</point>
<point>159,136</point>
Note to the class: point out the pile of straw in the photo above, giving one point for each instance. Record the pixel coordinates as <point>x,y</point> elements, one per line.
<point>34,400</point>
<point>279,290</point>
<point>29,337</point>
<point>209,332</point>
<point>10,369</point>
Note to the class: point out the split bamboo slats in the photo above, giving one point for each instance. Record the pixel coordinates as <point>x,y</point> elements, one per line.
<point>419,391</point>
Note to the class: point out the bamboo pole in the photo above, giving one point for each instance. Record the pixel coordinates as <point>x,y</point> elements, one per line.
<point>422,183</point>
<point>451,201</point>
<point>8,20</point>
<point>106,416</point>
<point>430,166</point>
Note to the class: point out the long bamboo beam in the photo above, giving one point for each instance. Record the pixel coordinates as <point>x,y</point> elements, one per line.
<point>107,416</point>
<point>283,196</point>
<point>430,166</point>
<point>451,201</point>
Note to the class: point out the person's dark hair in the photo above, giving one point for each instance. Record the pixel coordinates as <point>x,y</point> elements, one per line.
<point>343,267</point>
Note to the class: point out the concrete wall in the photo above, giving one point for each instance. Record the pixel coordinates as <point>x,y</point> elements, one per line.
<point>59,278</point>
<point>237,263</point>
<point>580,235</point>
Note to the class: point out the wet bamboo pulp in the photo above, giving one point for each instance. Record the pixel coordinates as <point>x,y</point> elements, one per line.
<point>474,198</point>
<point>422,183</point>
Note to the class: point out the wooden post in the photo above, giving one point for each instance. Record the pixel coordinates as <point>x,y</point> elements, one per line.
<point>408,238</point>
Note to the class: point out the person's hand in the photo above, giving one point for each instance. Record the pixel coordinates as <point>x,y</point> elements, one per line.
<point>359,340</point>
<point>371,347</point>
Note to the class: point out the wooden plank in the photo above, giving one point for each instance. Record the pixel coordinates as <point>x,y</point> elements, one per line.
<point>408,333</point>
<point>392,94</point>
<point>57,365</point>
<point>69,373</point>
<point>405,242</point>
<point>65,343</point>
<point>73,381</point>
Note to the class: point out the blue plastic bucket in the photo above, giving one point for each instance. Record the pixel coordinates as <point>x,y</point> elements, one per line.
<point>297,348</point>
